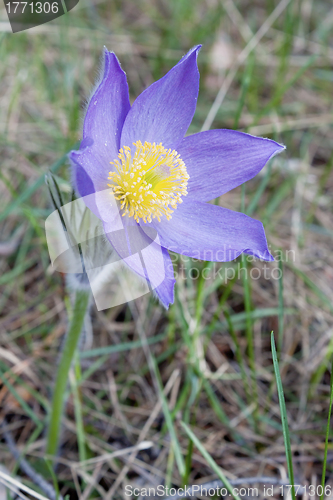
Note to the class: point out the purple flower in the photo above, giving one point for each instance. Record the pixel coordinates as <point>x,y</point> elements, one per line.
<point>163,180</point>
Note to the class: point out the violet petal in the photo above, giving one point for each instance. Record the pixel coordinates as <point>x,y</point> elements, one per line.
<point>209,232</point>
<point>107,110</point>
<point>220,160</point>
<point>165,291</point>
<point>164,111</point>
<point>154,265</point>
<point>91,182</point>
<point>93,173</point>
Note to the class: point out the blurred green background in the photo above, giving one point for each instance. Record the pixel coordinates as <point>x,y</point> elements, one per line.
<point>266,68</point>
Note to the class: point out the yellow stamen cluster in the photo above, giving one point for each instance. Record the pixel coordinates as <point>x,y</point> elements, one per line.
<point>149,183</point>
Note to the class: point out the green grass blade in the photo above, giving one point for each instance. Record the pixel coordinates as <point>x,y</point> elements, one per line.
<point>25,195</point>
<point>20,400</point>
<point>281,308</point>
<point>319,373</point>
<point>260,190</point>
<point>249,326</point>
<point>168,419</point>
<point>308,281</point>
<point>17,271</point>
<point>73,335</point>
<point>239,355</point>
<point>282,89</point>
<point>284,419</point>
<point>126,346</point>
<point>279,196</point>
<point>246,80</point>
<point>238,320</point>
<point>327,433</point>
<point>75,381</point>
<point>210,460</point>
<point>250,340</point>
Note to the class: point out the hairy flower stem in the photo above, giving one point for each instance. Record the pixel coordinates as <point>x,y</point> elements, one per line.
<point>76,325</point>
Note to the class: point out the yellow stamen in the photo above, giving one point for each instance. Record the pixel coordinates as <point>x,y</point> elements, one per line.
<point>151,182</point>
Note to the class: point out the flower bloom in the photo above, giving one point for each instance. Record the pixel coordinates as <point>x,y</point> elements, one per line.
<point>162,180</point>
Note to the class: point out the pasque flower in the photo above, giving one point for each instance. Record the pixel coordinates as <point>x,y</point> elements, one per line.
<point>161,180</point>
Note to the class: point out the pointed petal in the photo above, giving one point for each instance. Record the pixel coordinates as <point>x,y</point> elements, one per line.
<point>89,172</point>
<point>220,160</point>
<point>106,113</point>
<point>209,232</point>
<point>107,110</point>
<point>165,291</point>
<point>164,111</point>
<point>154,264</point>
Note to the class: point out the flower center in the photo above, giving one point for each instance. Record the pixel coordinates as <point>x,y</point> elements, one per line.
<point>150,183</point>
